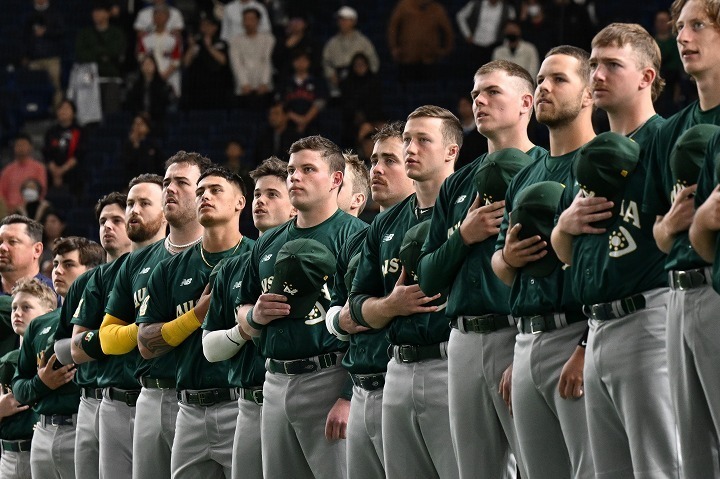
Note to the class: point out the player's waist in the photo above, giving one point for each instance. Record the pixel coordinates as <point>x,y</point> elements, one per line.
<point>621,308</point>
<point>542,323</point>
<point>292,367</point>
<point>412,353</point>
<point>683,280</point>
<point>483,324</point>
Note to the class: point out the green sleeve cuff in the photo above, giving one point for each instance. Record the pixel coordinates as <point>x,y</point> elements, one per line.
<point>356,302</point>
<point>336,324</point>
<point>347,392</point>
<point>437,270</point>
<point>250,321</point>
<point>91,345</point>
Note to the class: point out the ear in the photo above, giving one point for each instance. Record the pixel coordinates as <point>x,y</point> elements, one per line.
<point>37,250</point>
<point>293,212</point>
<point>358,199</point>
<point>337,179</point>
<point>587,99</point>
<point>452,152</point>
<point>240,202</point>
<point>649,75</point>
<point>526,103</point>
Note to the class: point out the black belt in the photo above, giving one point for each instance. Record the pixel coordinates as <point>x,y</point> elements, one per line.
<point>56,420</point>
<point>368,382</point>
<point>411,353</point>
<point>206,397</point>
<point>157,383</point>
<point>251,394</point>
<point>91,393</point>
<point>615,309</point>
<point>692,278</point>
<point>128,396</point>
<point>302,366</point>
<point>540,323</point>
<point>17,446</point>
<point>486,323</point>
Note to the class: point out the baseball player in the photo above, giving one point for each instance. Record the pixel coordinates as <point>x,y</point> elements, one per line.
<point>305,392</point>
<point>157,407</point>
<point>110,213</point>
<point>460,259</point>
<point>169,320</point>
<point>691,331</point>
<point>45,383</point>
<point>366,359</point>
<point>31,298</point>
<point>624,289</point>
<point>223,340</point>
<point>353,194</point>
<point>703,231</point>
<point>547,386</point>
<point>414,404</point>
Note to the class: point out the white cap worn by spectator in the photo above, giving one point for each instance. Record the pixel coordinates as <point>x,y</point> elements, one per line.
<point>347,12</point>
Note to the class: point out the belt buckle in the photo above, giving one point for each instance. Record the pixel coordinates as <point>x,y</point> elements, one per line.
<point>55,421</point>
<point>680,282</point>
<point>539,321</point>
<point>257,395</point>
<point>407,353</point>
<point>131,398</point>
<point>206,398</point>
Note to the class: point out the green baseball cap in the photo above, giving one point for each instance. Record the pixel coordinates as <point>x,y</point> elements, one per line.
<point>409,255</point>
<point>688,154</point>
<point>350,273</point>
<point>493,175</point>
<point>302,267</point>
<point>603,167</point>
<point>535,209</point>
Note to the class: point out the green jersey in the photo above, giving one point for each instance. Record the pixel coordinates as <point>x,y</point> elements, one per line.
<point>293,337</point>
<point>9,341</point>
<point>705,185</point>
<point>128,293</point>
<point>660,189</point>
<point>553,293</point>
<point>247,367</point>
<point>447,262</point>
<point>27,386</point>
<point>173,289</point>
<point>72,300</point>
<point>625,260</point>
<point>379,269</point>
<point>112,371</point>
<point>18,426</point>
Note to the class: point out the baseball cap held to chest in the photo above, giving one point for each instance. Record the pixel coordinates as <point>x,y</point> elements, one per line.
<point>688,154</point>
<point>409,255</point>
<point>302,267</point>
<point>493,175</point>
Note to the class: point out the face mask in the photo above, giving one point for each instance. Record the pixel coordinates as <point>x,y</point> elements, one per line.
<point>533,10</point>
<point>512,37</point>
<point>30,194</point>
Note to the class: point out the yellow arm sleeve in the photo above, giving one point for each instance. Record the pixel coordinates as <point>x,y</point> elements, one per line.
<point>179,329</point>
<point>116,336</point>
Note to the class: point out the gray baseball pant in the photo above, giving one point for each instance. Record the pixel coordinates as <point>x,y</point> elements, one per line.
<point>156,410</point>
<point>15,465</point>
<point>415,421</point>
<point>295,410</point>
<point>117,421</point>
<point>51,453</point>
<point>247,448</point>
<point>364,435</point>
<point>627,395</point>
<point>483,433</point>
<point>552,432</point>
<point>693,347</point>
<point>204,441</point>
<point>87,439</point>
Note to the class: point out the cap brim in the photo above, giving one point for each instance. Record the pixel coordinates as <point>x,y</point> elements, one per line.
<point>544,266</point>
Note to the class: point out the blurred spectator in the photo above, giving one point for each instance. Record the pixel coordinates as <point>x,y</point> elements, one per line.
<point>297,37</point>
<point>149,92</point>
<point>474,144</point>
<point>235,160</point>
<point>63,150</point>
<point>481,25</point>
<point>103,44</point>
<point>671,68</point>
<point>341,49</point>
<point>145,23</point>
<point>140,153</point>
<point>251,61</point>
<point>364,141</point>
<point>361,99</point>
<point>419,34</point>
<point>277,137</point>
<point>43,39</point>
<point>232,22</point>
<point>303,94</point>
<point>32,206</point>
<point>516,50</point>
<point>53,222</point>
<point>164,46</point>
<point>23,167</point>
<point>570,23</point>
<point>535,27</point>
<point>208,80</point>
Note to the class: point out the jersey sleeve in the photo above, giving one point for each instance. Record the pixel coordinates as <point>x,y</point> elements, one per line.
<point>154,308</point>
<point>27,386</point>
<point>368,277</point>
<point>442,256</point>
<point>90,309</point>
<point>250,288</point>
<point>655,197</point>
<point>121,304</point>
<point>221,313</point>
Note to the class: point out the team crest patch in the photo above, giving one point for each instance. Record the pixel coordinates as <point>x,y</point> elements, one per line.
<point>89,336</point>
<point>621,243</point>
<point>289,289</point>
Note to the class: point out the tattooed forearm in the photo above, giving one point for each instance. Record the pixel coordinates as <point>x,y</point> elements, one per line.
<point>150,341</point>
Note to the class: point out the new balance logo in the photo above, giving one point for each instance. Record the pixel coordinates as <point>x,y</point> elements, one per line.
<point>145,271</point>
<point>237,285</point>
<point>186,282</point>
<point>388,237</point>
<point>266,257</point>
<point>460,199</point>
<point>46,330</point>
